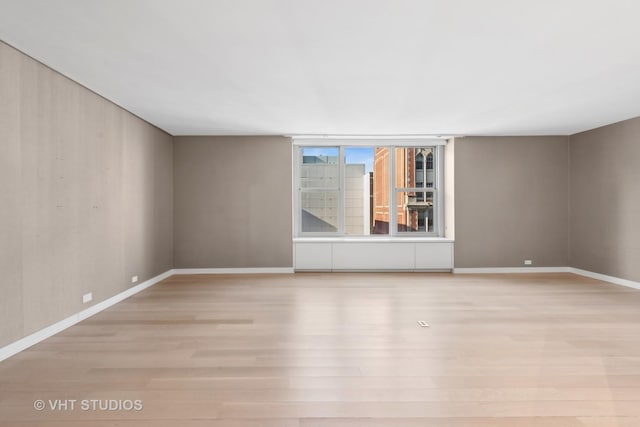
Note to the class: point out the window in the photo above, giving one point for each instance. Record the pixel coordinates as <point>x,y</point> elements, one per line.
<point>430,170</point>
<point>414,189</point>
<point>419,170</point>
<point>368,190</point>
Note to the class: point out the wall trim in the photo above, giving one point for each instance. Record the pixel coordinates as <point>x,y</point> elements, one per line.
<point>605,278</point>
<point>259,270</point>
<point>509,270</point>
<point>577,271</point>
<point>30,340</point>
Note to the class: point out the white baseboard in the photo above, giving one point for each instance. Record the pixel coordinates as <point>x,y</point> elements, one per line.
<point>579,272</point>
<point>266,270</point>
<point>26,342</point>
<point>509,270</point>
<point>605,278</point>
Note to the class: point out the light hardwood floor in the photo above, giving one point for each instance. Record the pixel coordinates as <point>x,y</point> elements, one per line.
<point>331,350</point>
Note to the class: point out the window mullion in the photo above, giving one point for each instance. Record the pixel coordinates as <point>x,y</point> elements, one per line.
<point>438,197</point>
<point>393,197</point>
<point>297,212</point>
<point>342,193</point>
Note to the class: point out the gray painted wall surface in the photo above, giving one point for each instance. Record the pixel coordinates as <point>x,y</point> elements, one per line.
<point>232,202</point>
<point>511,201</point>
<point>85,197</point>
<point>605,200</point>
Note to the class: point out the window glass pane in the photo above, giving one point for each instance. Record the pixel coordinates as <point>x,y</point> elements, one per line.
<point>380,191</point>
<point>415,211</point>
<point>319,168</point>
<point>366,183</point>
<point>358,170</point>
<point>414,167</point>
<point>319,211</point>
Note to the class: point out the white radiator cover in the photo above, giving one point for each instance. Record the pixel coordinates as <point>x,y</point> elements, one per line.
<point>360,254</point>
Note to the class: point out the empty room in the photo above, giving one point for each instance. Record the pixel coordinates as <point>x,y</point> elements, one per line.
<point>297,213</point>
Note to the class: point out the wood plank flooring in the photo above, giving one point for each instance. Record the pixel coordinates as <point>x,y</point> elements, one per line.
<point>338,350</point>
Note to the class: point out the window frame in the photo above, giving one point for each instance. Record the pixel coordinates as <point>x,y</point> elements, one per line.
<point>437,189</point>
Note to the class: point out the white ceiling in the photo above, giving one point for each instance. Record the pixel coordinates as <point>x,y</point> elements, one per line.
<point>490,67</point>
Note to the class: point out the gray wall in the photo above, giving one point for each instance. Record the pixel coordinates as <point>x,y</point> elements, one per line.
<point>85,197</point>
<point>511,201</point>
<point>232,202</point>
<point>605,200</point>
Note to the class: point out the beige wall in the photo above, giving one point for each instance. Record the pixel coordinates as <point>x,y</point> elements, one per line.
<point>85,197</point>
<point>511,201</point>
<point>605,200</point>
<point>232,202</point>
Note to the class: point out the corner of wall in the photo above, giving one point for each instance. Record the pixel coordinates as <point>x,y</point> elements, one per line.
<point>173,202</point>
<point>449,190</point>
<point>569,263</point>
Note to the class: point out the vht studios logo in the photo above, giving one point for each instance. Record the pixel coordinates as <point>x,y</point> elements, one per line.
<point>88,405</point>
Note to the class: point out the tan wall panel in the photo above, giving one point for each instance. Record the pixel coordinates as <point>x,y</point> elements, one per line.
<point>232,202</point>
<point>86,197</point>
<point>511,201</point>
<point>11,320</point>
<point>148,200</point>
<point>605,200</point>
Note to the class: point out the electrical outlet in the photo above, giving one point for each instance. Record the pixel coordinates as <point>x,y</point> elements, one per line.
<point>87,297</point>
<point>528,262</point>
<point>134,279</point>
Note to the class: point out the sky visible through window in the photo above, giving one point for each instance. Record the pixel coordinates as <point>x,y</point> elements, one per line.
<point>360,155</point>
<point>353,155</point>
<point>320,151</point>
